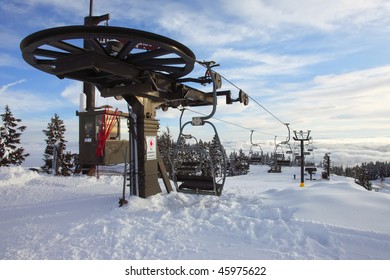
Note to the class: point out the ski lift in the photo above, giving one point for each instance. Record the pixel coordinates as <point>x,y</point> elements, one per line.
<point>280,157</point>
<point>311,169</point>
<point>275,169</point>
<point>200,169</point>
<point>309,153</point>
<point>255,152</point>
<point>281,149</point>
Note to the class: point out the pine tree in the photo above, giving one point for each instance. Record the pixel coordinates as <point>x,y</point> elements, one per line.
<point>165,146</point>
<point>10,153</point>
<point>232,170</point>
<point>217,156</point>
<point>362,177</point>
<point>243,163</point>
<point>55,142</point>
<point>326,167</point>
<point>238,164</point>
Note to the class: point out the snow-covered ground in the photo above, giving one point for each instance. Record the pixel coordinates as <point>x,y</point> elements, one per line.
<point>259,216</point>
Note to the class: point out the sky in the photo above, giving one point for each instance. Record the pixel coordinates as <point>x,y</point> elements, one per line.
<point>318,65</point>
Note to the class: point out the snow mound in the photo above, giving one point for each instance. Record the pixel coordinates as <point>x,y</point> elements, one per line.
<point>15,176</point>
<point>259,216</point>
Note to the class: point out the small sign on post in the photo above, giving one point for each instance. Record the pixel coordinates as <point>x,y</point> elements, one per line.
<point>151,150</point>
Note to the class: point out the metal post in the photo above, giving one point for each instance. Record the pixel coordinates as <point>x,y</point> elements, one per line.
<point>90,7</point>
<point>302,138</point>
<point>302,184</point>
<point>146,128</point>
<point>328,165</point>
<point>88,88</point>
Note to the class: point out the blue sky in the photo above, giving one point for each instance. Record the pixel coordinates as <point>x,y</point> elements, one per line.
<point>318,65</point>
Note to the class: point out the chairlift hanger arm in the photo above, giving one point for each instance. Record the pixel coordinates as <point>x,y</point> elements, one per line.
<point>216,79</point>
<point>289,134</point>
<point>251,138</point>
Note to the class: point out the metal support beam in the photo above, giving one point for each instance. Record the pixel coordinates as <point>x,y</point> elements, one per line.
<point>302,137</point>
<point>147,127</point>
<point>97,67</point>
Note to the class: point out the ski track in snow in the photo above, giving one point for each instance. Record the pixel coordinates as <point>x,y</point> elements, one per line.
<point>259,216</point>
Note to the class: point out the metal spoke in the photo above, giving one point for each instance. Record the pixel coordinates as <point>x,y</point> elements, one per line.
<point>49,53</point>
<point>127,48</point>
<point>96,45</point>
<point>134,58</point>
<point>66,47</point>
<point>162,61</point>
<point>46,62</point>
<point>164,68</point>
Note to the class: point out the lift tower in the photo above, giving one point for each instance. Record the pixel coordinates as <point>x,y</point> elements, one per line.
<point>302,137</point>
<point>145,69</point>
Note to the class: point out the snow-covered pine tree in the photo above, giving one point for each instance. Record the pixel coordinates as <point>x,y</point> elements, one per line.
<point>55,140</point>
<point>231,169</point>
<point>326,167</point>
<point>362,177</point>
<point>10,132</point>
<point>217,156</point>
<point>243,163</point>
<point>238,163</point>
<point>165,146</point>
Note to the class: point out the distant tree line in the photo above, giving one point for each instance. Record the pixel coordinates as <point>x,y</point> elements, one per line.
<point>364,172</point>
<point>236,163</point>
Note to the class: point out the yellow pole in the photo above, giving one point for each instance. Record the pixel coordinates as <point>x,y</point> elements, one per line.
<point>302,184</point>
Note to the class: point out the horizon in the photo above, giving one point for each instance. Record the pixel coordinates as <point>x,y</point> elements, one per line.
<point>319,67</point>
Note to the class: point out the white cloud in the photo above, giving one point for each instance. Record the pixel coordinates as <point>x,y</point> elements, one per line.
<point>72,92</point>
<point>201,28</point>
<point>347,151</point>
<point>353,151</point>
<point>318,14</point>
<point>354,103</point>
<point>359,94</point>
<point>254,64</point>
<point>28,102</point>
<point>7,60</point>
<point>5,87</point>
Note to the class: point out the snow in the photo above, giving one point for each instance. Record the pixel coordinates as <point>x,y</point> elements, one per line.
<point>259,216</point>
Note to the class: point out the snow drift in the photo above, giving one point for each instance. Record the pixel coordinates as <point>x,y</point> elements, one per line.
<point>259,216</point>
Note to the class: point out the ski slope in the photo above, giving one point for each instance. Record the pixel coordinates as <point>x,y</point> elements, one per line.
<point>258,216</point>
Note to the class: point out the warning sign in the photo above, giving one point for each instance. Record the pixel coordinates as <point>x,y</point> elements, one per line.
<point>151,148</point>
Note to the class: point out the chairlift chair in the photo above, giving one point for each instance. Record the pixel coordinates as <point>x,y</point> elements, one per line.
<point>196,170</point>
<point>200,172</point>
<point>280,158</point>
<point>279,152</point>
<point>255,152</point>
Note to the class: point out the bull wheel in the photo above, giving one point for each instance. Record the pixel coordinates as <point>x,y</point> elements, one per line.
<point>139,49</point>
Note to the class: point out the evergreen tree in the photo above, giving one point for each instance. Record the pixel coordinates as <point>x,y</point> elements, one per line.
<point>166,146</point>
<point>56,143</point>
<point>232,168</point>
<point>362,177</point>
<point>10,132</point>
<point>243,163</point>
<point>326,167</point>
<point>238,164</point>
<point>217,156</point>
<point>208,165</point>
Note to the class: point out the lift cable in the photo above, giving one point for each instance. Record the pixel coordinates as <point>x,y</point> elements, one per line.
<point>231,123</point>
<point>250,97</point>
<point>254,100</point>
